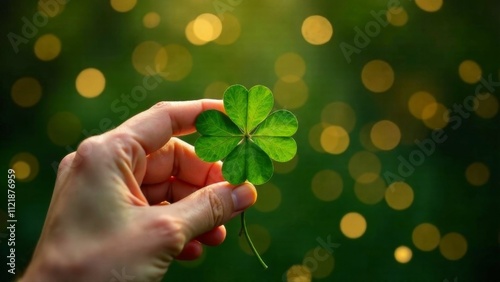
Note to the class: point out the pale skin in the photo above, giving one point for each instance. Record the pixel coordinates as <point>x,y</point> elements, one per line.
<point>108,210</point>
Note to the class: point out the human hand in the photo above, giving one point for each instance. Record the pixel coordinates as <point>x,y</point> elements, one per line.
<point>105,214</point>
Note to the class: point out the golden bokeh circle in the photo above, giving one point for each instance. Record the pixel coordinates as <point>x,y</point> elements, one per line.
<point>180,63</point>
<point>364,167</point>
<point>385,135</point>
<point>469,71</point>
<point>339,113</point>
<point>426,237</point>
<point>453,246</point>
<point>290,67</point>
<point>429,5</point>
<point>319,262</point>
<point>260,238</point>
<point>397,16</point>
<point>47,47</point>
<point>215,90</point>
<point>291,95</point>
<point>315,137</point>
<point>25,165</point>
<point>377,76</point>
<point>419,101</point>
<point>353,225</point>
<point>487,107</point>
<point>334,139</point>
<point>370,193</point>
<point>123,6</point>
<point>64,128</point>
<point>151,20</point>
<point>439,119</point>
<point>269,198</point>
<point>317,30</point>
<point>90,83</point>
<point>399,196</point>
<point>26,92</point>
<point>231,30</point>
<point>51,8</point>
<point>149,58</point>
<point>327,185</point>
<point>403,254</point>
<point>286,167</point>
<point>207,27</point>
<point>298,273</point>
<point>477,174</point>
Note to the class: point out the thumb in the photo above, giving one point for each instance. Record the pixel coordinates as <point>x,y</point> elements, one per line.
<point>212,206</point>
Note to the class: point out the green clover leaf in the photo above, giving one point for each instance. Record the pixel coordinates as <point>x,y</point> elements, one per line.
<point>248,137</point>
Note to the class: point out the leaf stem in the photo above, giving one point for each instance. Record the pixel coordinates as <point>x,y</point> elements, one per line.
<point>245,231</point>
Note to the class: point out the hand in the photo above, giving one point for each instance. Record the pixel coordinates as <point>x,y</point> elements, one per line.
<point>105,215</point>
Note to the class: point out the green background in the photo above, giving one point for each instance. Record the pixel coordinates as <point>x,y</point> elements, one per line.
<point>424,54</point>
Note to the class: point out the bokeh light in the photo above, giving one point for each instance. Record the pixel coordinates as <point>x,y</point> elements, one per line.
<point>315,137</point>
<point>453,246</point>
<point>370,193</point>
<point>47,47</point>
<point>290,67</point>
<point>364,167</point>
<point>399,195</point>
<point>151,20</point>
<point>260,238</point>
<point>123,6</point>
<point>327,185</point>
<point>426,237</point>
<point>180,63</point>
<point>339,113</point>
<point>26,92</point>
<point>231,30</point>
<point>286,167</point>
<point>421,101</point>
<point>385,135</point>
<point>320,262</point>
<point>90,83</point>
<point>25,165</point>
<point>334,139</point>
<point>269,198</point>
<point>403,254</point>
<point>487,107</point>
<point>215,90</point>
<point>51,8</point>
<point>377,76</point>
<point>477,174</point>
<point>149,58</point>
<point>429,5</point>
<point>353,225</point>
<point>298,273</point>
<point>205,28</point>
<point>440,117</point>
<point>397,16</point>
<point>291,95</point>
<point>317,30</point>
<point>469,71</point>
<point>64,128</point>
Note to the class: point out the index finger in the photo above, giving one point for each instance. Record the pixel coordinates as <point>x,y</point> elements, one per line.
<point>155,126</point>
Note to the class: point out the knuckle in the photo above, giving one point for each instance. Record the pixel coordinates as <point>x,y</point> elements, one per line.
<point>216,207</point>
<point>170,230</point>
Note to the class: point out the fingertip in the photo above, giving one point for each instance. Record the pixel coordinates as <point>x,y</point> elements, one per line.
<point>191,251</point>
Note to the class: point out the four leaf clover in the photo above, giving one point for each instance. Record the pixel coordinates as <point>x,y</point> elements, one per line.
<point>248,137</point>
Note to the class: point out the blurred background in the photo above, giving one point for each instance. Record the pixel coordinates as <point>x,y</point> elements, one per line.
<point>397,172</point>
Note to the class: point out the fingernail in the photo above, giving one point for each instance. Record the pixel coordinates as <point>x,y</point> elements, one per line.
<point>243,196</point>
